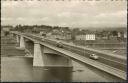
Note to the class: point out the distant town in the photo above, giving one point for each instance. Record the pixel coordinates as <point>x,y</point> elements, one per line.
<point>81,36</point>
<point>102,50</point>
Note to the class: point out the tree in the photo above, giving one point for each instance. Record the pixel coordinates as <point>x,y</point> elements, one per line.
<point>114,33</point>
<point>6,33</point>
<point>73,33</point>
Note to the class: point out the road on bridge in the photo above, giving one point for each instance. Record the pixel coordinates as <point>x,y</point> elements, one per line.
<point>105,58</point>
<point>98,64</point>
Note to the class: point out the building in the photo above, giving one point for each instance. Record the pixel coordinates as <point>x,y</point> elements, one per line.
<point>59,34</point>
<point>119,34</point>
<point>87,36</point>
<point>6,28</point>
<point>125,35</point>
<point>42,33</point>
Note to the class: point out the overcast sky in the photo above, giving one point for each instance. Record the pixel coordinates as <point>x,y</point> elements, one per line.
<point>65,13</point>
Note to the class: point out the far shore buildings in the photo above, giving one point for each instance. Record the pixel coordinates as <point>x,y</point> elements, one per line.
<point>60,34</point>
<point>87,36</point>
<point>107,35</point>
<point>57,34</point>
<point>5,29</point>
<point>125,35</point>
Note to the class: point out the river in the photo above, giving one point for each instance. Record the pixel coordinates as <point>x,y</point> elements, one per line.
<point>20,69</point>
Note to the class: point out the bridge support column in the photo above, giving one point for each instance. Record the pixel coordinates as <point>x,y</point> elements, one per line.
<point>22,42</point>
<point>17,39</point>
<point>38,59</point>
<point>45,57</point>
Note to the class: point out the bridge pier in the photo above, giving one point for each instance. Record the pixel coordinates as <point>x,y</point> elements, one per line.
<point>38,59</point>
<point>45,57</point>
<point>22,42</point>
<point>17,39</point>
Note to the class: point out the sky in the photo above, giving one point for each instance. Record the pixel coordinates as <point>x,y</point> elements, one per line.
<point>65,13</point>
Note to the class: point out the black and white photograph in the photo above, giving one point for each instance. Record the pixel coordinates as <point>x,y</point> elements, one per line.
<point>63,41</point>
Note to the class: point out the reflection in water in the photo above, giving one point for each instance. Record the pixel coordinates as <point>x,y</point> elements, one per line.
<point>52,74</point>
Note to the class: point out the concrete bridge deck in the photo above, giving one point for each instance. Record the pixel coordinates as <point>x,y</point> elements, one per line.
<point>86,48</point>
<point>116,61</point>
<point>94,50</point>
<point>79,58</point>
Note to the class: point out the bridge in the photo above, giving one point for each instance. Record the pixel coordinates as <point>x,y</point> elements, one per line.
<point>45,53</point>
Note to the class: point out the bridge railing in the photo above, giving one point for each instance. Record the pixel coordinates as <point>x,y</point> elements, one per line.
<point>81,47</point>
<point>77,56</point>
<point>91,50</point>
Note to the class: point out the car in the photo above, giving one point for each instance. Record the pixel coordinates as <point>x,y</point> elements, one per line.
<point>94,56</point>
<point>59,44</point>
